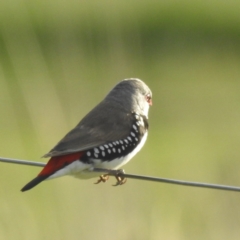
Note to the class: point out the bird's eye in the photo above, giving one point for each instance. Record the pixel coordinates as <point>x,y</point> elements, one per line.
<point>149,99</point>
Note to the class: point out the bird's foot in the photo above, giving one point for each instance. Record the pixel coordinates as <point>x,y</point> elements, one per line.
<point>102,178</point>
<point>120,179</point>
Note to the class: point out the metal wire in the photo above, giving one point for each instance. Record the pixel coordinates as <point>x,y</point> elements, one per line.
<point>133,176</point>
<point>22,162</point>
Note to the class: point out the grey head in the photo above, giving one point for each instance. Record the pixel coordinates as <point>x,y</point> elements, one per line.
<point>131,95</point>
<point>110,120</point>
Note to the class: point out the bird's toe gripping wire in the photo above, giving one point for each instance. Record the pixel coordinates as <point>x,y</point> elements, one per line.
<point>120,178</point>
<point>102,178</point>
<point>119,175</point>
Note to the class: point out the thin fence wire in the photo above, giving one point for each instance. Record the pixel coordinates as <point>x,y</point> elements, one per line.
<point>133,176</point>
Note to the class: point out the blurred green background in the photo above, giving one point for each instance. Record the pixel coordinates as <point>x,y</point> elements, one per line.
<point>58,59</point>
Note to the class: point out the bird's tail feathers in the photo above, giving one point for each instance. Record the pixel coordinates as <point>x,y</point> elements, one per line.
<point>34,182</point>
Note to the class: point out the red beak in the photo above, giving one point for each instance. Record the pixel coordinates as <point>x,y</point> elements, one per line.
<point>150,102</point>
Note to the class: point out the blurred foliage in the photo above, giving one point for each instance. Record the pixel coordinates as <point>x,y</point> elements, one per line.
<point>59,59</point>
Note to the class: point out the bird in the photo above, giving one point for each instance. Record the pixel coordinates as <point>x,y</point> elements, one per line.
<point>107,137</point>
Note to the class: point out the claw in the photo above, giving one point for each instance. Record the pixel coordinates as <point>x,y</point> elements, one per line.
<point>102,178</point>
<point>120,179</point>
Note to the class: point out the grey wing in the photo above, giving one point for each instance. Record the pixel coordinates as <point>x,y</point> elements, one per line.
<point>96,128</point>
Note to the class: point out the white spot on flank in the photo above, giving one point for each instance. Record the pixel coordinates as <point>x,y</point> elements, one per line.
<point>95,155</point>
<point>103,154</point>
<point>129,138</point>
<point>136,139</point>
<point>89,154</point>
<point>96,150</point>
<point>135,127</point>
<point>133,134</point>
<point>136,116</point>
<point>119,150</point>
<point>106,146</point>
<point>137,123</point>
<point>101,147</point>
<point>114,150</point>
<point>126,141</point>
<point>121,141</point>
<point>110,144</point>
<point>117,142</point>
<point>109,151</point>
<point>123,148</point>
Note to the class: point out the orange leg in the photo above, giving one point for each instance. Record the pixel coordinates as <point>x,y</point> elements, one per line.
<point>120,179</point>
<point>102,178</point>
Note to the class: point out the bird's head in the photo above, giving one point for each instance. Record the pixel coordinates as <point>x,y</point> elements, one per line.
<point>133,95</point>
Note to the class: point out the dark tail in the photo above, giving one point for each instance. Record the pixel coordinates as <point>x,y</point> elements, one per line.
<point>34,183</point>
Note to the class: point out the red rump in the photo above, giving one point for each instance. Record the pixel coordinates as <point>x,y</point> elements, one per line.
<point>58,162</point>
